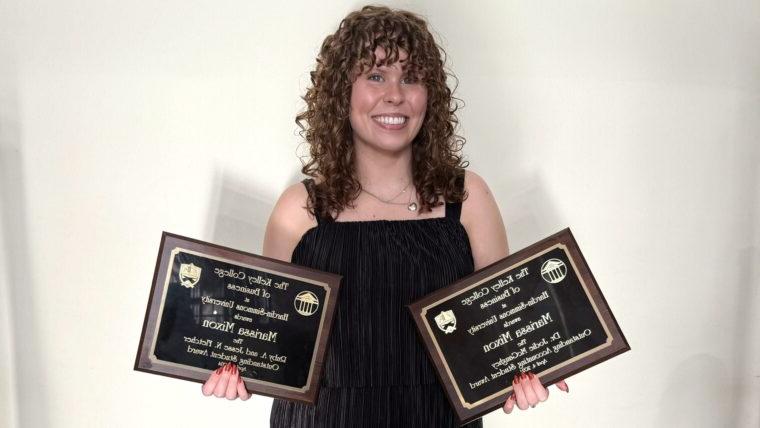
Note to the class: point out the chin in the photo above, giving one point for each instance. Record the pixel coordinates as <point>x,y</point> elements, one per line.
<point>395,147</point>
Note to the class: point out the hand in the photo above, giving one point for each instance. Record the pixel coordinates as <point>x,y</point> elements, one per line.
<point>226,382</point>
<point>528,391</point>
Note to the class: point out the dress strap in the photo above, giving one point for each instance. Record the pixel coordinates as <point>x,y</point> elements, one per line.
<point>454,209</point>
<point>311,189</point>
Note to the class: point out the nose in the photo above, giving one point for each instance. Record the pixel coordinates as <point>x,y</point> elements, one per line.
<point>394,94</point>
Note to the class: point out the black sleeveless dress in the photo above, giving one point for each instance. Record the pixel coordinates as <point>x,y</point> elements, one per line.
<point>376,371</point>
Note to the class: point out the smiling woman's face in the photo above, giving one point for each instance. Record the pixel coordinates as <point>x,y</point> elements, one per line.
<point>387,107</point>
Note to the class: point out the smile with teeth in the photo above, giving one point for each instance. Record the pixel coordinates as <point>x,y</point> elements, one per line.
<point>390,120</point>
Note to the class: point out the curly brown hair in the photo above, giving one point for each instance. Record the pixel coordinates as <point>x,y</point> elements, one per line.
<point>325,127</point>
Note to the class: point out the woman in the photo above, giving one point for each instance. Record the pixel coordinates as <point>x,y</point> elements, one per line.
<point>391,208</point>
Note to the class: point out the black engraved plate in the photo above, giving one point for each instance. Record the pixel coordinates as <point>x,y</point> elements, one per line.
<point>211,305</point>
<point>538,310</point>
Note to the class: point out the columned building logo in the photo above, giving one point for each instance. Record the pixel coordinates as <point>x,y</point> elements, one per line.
<point>306,303</point>
<point>553,271</point>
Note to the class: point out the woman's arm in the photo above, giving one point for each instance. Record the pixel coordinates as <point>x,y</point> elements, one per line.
<point>482,221</point>
<point>287,223</point>
<point>488,239</point>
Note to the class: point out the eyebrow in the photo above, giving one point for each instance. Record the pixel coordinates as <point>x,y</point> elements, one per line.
<point>384,66</point>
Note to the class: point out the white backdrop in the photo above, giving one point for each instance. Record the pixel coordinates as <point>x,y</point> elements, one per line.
<point>635,123</point>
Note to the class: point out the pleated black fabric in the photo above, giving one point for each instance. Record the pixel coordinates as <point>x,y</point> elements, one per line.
<point>376,371</point>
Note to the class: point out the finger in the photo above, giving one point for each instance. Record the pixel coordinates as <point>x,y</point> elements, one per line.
<point>241,390</point>
<point>210,384</point>
<point>530,394</point>
<point>231,393</point>
<point>221,386</point>
<point>541,393</point>
<point>562,385</point>
<point>522,402</point>
<point>509,405</point>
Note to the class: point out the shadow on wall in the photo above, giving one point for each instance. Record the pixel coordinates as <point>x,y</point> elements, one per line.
<point>22,331</point>
<point>528,212</point>
<point>499,146</point>
<point>745,310</point>
<point>239,211</point>
<point>745,332</point>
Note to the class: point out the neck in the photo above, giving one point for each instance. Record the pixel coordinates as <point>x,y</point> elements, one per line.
<point>383,173</point>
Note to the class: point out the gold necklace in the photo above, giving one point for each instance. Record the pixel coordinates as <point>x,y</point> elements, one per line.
<point>411,206</point>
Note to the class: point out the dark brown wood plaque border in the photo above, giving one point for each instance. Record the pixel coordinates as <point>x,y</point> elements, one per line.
<point>171,242</point>
<point>615,345</point>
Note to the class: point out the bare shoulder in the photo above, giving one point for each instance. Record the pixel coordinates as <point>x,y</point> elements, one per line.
<point>287,223</point>
<point>292,203</point>
<point>482,220</point>
<point>474,182</point>
<point>479,197</point>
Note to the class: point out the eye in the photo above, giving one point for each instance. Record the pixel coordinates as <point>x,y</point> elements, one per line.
<point>375,77</point>
<point>410,80</point>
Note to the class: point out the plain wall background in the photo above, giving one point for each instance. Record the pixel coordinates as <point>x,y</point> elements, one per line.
<point>635,123</point>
